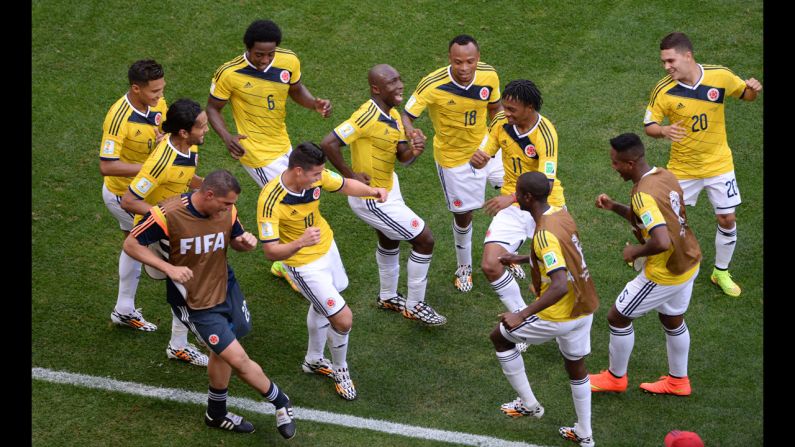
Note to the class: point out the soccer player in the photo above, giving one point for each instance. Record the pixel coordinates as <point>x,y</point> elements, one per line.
<point>377,139</point>
<point>130,132</point>
<point>692,96</point>
<point>458,98</point>
<point>529,142</point>
<point>169,171</point>
<point>257,85</point>
<point>665,283</point>
<point>203,290</point>
<point>563,311</point>
<point>291,229</point>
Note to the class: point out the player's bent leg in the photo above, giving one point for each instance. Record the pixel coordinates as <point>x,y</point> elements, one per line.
<point>622,340</point>
<point>341,324</point>
<point>725,242</point>
<point>512,365</point>
<point>387,257</point>
<point>677,338</point>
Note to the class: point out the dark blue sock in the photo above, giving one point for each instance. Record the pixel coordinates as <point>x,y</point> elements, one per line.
<point>275,396</point>
<point>216,403</point>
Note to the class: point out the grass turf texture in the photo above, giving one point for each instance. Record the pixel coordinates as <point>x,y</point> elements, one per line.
<point>595,65</point>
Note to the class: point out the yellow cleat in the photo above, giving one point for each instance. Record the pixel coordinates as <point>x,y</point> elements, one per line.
<point>278,270</point>
<point>723,279</point>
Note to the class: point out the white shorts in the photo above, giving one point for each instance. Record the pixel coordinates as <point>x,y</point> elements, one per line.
<point>511,227</point>
<point>573,337</point>
<point>321,282</point>
<point>267,173</point>
<point>113,204</point>
<point>722,191</point>
<point>464,187</point>
<point>642,295</point>
<point>495,170</point>
<point>393,218</point>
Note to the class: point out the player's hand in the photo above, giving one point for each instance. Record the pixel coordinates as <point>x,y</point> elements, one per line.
<point>159,136</point>
<point>629,253</point>
<point>323,107</point>
<point>310,237</point>
<point>511,258</point>
<point>753,84</point>
<point>380,194</point>
<point>362,177</point>
<point>675,132</point>
<point>510,319</point>
<point>247,240</point>
<point>494,205</point>
<point>235,148</point>
<point>604,202</point>
<point>479,159</point>
<point>179,274</point>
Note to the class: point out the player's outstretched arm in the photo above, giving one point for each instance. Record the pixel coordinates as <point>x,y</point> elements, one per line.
<point>244,242</point>
<point>216,119</point>
<point>407,153</point>
<point>604,202</point>
<point>752,89</point>
<point>355,188</point>
<point>118,168</point>
<point>132,204</point>
<point>332,147</point>
<point>142,254</point>
<point>301,95</point>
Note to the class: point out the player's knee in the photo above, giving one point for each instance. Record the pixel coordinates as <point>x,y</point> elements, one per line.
<point>342,322</point>
<point>491,267</point>
<point>616,319</point>
<point>726,220</point>
<point>499,342</point>
<point>424,242</point>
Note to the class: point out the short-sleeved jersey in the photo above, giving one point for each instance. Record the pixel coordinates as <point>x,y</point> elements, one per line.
<point>129,135</point>
<point>535,150</point>
<point>283,215</point>
<point>657,199</point>
<point>259,103</point>
<point>167,172</point>
<point>459,113</point>
<point>704,151</point>
<point>373,136</point>
<point>556,245</point>
<point>196,241</point>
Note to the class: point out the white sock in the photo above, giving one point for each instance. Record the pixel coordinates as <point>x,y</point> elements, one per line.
<point>513,367</point>
<point>677,342</point>
<point>508,290</point>
<point>338,345</point>
<point>725,241</point>
<point>622,340</point>
<point>417,270</point>
<point>129,273</point>
<point>463,244</point>
<point>581,396</point>
<point>388,270</point>
<point>179,332</point>
<point>317,326</point>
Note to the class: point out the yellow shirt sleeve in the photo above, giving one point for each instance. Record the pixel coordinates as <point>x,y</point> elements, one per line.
<point>649,215</point>
<point>331,181</point>
<point>548,251</point>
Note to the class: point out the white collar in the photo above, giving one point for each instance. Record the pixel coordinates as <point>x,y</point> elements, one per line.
<point>288,189</point>
<point>177,150</point>
<point>515,129</point>
<point>700,78</point>
<point>450,73</point>
<point>255,68</point>
<point>133,107</point>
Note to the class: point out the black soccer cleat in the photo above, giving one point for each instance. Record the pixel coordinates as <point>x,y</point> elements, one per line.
<point>231,422</point>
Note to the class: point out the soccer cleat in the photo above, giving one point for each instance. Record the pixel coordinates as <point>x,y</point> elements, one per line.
<point>518,409</point>
<point>425,313</point>
<point>231,422</point>
<point>188,354</point>
<point>668,385</point>
<point>606,381</point>
<point>278,270</point>
<point>516,270</point>
<point>570,433</point>
<point>724,280</point>
<point>134,320</point>
<point>396,303</point>
<point>285,422</point>
<point>321,367</point>
<point>343,384</point>
<point>463,278</point>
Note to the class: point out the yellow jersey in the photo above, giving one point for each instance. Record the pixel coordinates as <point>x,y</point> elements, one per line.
<point>373,136</point>
<point>459,113</point>
<point>704,151</point>
<point>534,150</point>
<point>283,215</point>
<point>259,103</point>
<point>129,135</point>
<point>166,173</point>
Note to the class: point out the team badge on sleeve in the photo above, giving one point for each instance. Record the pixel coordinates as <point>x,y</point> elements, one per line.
<point>108,147</point>
<point>284,76</point>
<point>646,219</point>
<point>346,130</point>
<point>411,102</point>
<point>265,230</point>
<point>334,175</point>
<point>484,93</point>
<point>550,259</point>
<point>647,118</point>
<point>549,168</point>
<point>143,185</point>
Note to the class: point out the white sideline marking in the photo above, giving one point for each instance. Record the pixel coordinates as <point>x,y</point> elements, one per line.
<point>262,407</point>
